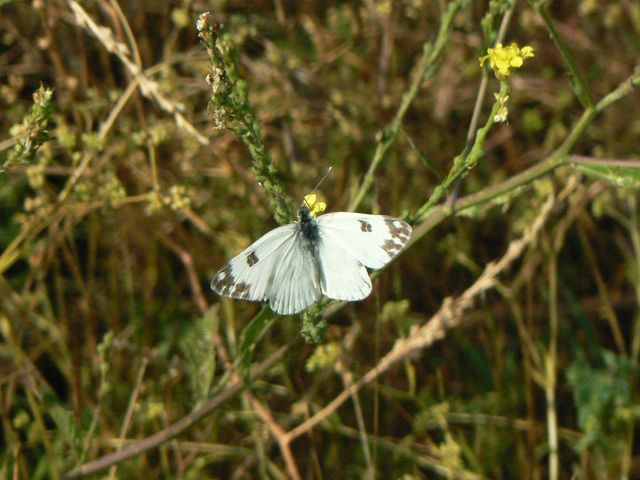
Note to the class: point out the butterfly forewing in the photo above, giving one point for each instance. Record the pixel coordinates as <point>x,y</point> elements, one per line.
<point>373,240</point>
<point>247,275</point>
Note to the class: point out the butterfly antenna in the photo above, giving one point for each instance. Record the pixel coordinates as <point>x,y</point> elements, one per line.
<point>316,187</point>
<point>322,179</point>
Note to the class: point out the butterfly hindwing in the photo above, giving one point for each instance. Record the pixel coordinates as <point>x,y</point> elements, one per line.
<point>342,276</point>
<point>294,283</point>
<point>373,240</point>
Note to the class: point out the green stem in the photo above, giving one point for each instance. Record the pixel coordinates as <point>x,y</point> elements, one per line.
<point>633,226</point>
<point>551,368</point>
<point>624,89</point>
<point>426,67</point>
<point>578,83</point>
<point>230,100</point>
<point>465,161</point>
<point>430,218</point>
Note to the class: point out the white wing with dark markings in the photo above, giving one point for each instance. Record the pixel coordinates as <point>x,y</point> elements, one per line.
<point>372,239</point>
<point>275,267</point>
<point>293,265</point>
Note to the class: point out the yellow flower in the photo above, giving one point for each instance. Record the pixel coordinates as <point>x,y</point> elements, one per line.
<point>502,59</point>
<point>314,208</point>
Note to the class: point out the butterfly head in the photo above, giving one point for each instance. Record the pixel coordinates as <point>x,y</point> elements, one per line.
<point>310,208</point>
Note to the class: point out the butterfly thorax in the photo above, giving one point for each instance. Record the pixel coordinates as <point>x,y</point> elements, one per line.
<point>310,232</point>
<point>308,227</point>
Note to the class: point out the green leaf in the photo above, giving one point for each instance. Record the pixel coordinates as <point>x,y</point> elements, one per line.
<point>249,338</point>
<point>199,350</point>
<point>66,426</point>
<point>620,176</point>
<point>603,395</point>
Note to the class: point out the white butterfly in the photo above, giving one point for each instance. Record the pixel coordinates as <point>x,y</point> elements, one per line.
<point>293,265</point>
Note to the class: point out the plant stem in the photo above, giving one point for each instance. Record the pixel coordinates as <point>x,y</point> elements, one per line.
<point>550,364</point>
<point>434,216</point>
<point>463,162</point>
<point>425,68</point>
<point>578,83</point>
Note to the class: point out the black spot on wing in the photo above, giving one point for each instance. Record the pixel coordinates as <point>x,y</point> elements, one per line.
<point>225,284</point>
<point>252,259</point>
<point>241,290</point>
<point>223,280</point>
<point>392,248</point>
<point>400,233</point>
<point>365,226</point>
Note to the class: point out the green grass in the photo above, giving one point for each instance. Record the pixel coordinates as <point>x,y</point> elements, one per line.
<point>503,342</point>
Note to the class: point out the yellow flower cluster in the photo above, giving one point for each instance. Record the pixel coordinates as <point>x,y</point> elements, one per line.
<point>324,356</point>
<point>179,197</point>
<point>314,208</point>
<point>503,59</point>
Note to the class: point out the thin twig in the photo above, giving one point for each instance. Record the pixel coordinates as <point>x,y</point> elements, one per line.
<point>579,84</point>
<point>604,162</point>
<point>181,425</point>
<point>551,362</point>
<point>279,434</point>
<point>347,381</point>
<point>415,452</point>
<point>424,69</point>
<point>187,261</point>
<point>149,88</point>
<point>129,414</point>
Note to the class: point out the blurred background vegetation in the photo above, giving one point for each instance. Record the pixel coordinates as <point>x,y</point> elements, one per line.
<point>127,180</point>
